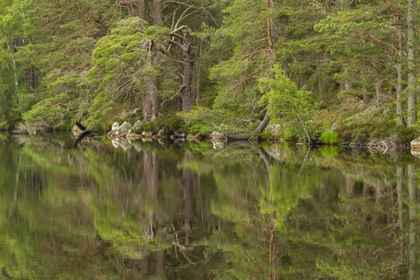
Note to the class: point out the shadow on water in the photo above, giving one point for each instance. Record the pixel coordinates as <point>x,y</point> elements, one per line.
<point>150,211</point>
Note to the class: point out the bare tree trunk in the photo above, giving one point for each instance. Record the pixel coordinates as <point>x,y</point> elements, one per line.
<point>157,12</point>
<point>399,109</point>
<point>412,89</point>
<point>263,124</point>
<point>150,97</point>
<point>141,9</point>
<point>271,55</point>
<point>150,100</point>
<point>184,46</point>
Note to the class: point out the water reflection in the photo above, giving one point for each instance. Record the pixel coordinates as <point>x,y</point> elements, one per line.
<point>240,212</point>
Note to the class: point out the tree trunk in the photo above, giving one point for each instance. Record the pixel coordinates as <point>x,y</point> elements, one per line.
<point>263,124</point>
<point>399,109</point>
<point>150,100</point>
<point>157,12</point>
<point>412,94</point>
<point>150,97</point>
<point>141,9</point>
<point>184,46</point>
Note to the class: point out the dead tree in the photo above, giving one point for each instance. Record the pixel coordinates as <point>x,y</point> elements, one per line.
<point>180,39</point>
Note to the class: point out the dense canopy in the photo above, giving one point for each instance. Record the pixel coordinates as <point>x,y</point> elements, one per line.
<point>351,64</point>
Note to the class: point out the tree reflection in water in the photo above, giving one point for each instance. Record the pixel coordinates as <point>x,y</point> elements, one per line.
<point>241,212</point>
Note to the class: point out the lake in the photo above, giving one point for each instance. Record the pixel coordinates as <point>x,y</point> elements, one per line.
<point>106,210</point>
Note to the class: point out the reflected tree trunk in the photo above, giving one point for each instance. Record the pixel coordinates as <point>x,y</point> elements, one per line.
<point>271,228</point>
<point>400,210</point>
<point>151,181</point>
<point>187,182</point>
<point>412,193</point>
<point>377,219</point>
<point>144,266</point>
<point>160,264</point>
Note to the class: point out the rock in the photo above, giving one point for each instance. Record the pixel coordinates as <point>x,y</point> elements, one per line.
<point>137,124</point>
<point>273,129</point>
<point>218,136</point>
<point>217,145</point>
<point>415,153</point>
<point>119,130</point>
<point>20,128</point>
<point>123,143</point>
<point>124,128</point>
<point>147,134</point>
<point>415,144</point>
<point>115,126</point>
<point>132,135</point>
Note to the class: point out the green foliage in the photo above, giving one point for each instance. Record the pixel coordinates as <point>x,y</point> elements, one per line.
<point>50,112</point>
<point>244,41</point>
<point>123,65</point>
<point>406,135</point>
<point>287,105</point>
<point>330,137</point>
<point>329,152</point>
<point>167,122</point>
<point>205,121</point>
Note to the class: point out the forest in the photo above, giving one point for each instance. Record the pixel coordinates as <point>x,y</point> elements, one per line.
<point>333,70</point>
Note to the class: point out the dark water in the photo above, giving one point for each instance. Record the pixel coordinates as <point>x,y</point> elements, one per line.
<point>154,211</point>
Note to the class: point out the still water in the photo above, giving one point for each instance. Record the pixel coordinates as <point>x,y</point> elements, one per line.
<point>151,211</point>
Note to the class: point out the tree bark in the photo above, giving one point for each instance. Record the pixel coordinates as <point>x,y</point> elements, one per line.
<point>150,100</point>
<point>184,46</point>
<point>399,108</point>
<point>412,94</point>
<point>150,97</point>
<point>141,9</point>
<point>157,12</point>
<point>263,124</point>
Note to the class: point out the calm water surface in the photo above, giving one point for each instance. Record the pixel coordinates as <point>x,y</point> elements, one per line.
<point>149,211</point>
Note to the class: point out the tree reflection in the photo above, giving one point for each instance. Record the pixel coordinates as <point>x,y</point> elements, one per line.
<point>236,213</point>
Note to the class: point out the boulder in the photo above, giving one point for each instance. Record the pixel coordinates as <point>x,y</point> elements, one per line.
<point>415,144</point>
<point>124,128</point>
<point>137,124</point>
<point>119,130</point>
<point>218,136</point>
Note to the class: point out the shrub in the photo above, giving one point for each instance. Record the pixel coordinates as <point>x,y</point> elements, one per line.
<point>330,137</point>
